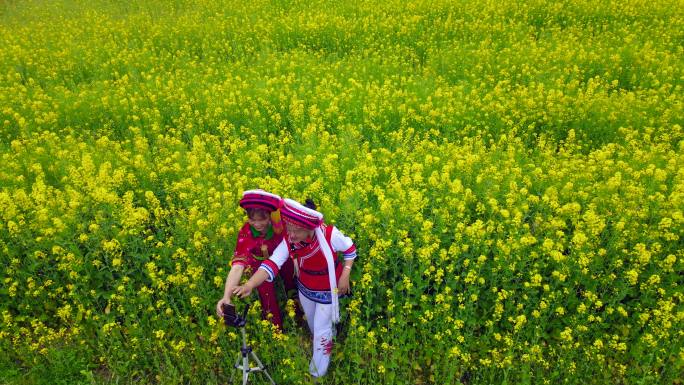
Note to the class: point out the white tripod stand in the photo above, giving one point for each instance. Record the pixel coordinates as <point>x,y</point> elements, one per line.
<point>232,319</point>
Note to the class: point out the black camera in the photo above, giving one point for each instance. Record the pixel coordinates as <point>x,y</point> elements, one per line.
<point>231,318</point>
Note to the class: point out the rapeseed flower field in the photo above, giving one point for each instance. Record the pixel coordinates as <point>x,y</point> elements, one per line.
<point>512,174</point>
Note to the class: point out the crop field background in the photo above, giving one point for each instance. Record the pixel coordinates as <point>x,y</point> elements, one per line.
<point>511,172</point>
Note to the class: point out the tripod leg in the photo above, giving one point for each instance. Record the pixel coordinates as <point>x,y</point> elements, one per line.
<point>262,367</point>
<point>245,369</point>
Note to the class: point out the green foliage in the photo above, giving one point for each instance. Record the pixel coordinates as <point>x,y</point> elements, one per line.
<point>510,172</point>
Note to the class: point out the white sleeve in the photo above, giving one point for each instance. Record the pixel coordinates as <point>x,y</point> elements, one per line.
<point>343,244</point>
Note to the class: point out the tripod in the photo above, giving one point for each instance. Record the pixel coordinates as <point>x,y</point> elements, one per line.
<point>232,319</point>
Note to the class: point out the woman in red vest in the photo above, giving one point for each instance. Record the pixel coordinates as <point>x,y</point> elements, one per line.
<point>257,240</point>
<point>321,278</point>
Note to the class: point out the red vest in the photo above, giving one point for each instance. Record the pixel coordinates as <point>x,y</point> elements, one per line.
<point>248,248</point>
<point>312,265</point>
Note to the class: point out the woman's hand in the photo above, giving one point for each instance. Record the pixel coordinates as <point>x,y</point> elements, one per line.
<point>219,305</point>
<point>243,291</point>
<point>343,284</point>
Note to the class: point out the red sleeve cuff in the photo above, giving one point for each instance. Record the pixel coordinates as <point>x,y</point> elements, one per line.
<point>350,250</point>
<point>271,268</point>
<point>238,261</point>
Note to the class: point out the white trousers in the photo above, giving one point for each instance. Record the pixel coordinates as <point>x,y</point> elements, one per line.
<point>319,318</point>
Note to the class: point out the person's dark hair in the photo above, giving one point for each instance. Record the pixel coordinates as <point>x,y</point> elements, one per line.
<point>253,212</point>
<point>310,204</point>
